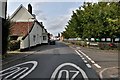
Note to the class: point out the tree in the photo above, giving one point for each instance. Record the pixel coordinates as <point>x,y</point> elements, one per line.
<point>95,20</point>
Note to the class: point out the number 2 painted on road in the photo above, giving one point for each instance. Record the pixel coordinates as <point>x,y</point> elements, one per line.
<point>68,74</point>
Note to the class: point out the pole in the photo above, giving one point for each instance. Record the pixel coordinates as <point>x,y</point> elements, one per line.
<point>28,36</point>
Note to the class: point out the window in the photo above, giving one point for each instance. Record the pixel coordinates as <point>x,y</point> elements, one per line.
<point>13,37</point>
<point>44,38</point>
<point>34,38</point>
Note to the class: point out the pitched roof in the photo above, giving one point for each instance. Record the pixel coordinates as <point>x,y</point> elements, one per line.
<point>18,9</point>
<point>21,28</point>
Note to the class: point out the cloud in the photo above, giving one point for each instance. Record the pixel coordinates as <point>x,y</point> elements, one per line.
<point>40,15</point>
<point>46,0</point>
<point>29,1</point>
<point>59,0</point>
<point>53,24</point>
<point>59,23</point>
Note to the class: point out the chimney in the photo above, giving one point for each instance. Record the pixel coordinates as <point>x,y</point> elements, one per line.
<point>30,8</point>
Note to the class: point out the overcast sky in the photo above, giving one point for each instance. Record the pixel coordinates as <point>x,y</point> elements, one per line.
<point>53,14</point>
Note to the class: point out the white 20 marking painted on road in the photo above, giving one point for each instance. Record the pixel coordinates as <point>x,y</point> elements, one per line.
<point>57,70</point>
<point>15,69</point>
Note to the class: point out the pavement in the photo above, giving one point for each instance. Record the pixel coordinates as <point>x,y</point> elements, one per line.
<point>17,54</point>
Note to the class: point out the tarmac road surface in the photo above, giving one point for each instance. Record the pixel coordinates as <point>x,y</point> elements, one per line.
<point>52,62</point>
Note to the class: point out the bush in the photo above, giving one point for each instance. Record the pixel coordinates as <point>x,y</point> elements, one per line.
<point>14,45</point>
<point>106,46</point>
<point>102,46</point>
<point>83,43</point>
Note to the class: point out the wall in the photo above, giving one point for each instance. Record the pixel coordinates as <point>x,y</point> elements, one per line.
<point>37,32</point>
<point>44,33</point>
<point>22,16</point>
<point>45,41</point>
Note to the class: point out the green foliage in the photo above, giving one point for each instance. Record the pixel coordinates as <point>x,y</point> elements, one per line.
<point>100,19</point>
<point>14,45</point>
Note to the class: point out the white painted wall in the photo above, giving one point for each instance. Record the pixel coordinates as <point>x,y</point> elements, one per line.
<point>45,41</point>
<point>44,34</point>
<point>22,16</point>
<point>36,31</point>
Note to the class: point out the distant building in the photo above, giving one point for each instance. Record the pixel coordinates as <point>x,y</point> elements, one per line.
<point>26,28</point>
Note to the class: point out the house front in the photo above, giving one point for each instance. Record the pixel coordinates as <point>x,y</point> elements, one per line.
<point>26,28</point>
<point>45,36</point>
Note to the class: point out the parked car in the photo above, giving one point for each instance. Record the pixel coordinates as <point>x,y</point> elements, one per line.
<point>52,42</point>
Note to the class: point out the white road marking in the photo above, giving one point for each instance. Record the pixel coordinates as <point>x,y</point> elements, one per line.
<point>67,74</point>
<point>60,74</point>
<point>83,58</point>
<point>34,66</point>
<point>98,66</point>
<point>68,64</point>
<point>21,72</point>
<point>16,68</point>
<point>76,73</point>
<point>78,53</point>
<point>88,65</point>
<point>85,61</point>
<point>92,61</point>
<point>101,72</point>
<point>85,55</point>
<point>13,73</point>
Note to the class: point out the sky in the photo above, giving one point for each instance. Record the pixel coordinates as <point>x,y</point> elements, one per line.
<point>53,14</point>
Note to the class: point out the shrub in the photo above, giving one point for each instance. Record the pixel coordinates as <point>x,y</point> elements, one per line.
<point>83,43</point>
<point>14,45</point>
<point>106,45</point>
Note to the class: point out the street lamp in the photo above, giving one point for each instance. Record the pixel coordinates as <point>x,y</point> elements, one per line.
<point>28,33</point>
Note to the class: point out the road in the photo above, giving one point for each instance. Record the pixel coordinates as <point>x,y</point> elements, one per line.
<point>53,62</point>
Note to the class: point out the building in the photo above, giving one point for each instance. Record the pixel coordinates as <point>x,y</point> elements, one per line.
<point>26,28</point>
<point>3,9</point>
<point>45,36</point>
